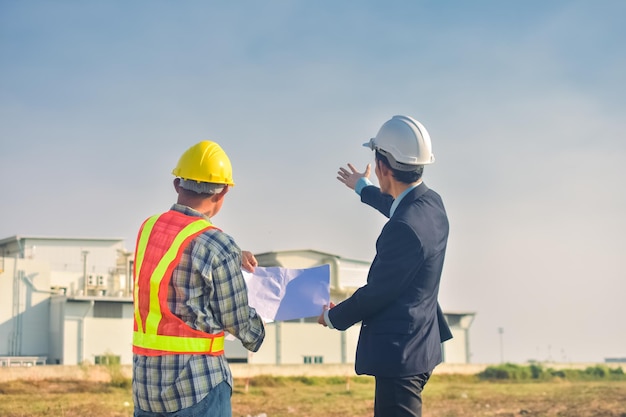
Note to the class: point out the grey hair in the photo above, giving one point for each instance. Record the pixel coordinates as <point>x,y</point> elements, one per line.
<point>201,187</point>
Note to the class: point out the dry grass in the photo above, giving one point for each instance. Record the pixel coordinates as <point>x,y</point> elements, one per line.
<point>444,396</point>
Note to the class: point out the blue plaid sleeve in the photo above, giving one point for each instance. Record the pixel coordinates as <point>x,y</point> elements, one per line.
<point>229,298</point>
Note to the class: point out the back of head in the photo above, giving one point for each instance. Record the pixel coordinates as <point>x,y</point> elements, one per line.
<point>204,168</point>
<point>405,176</point>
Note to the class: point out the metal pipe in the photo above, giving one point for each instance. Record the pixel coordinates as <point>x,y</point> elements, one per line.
<point>82,333</point>
<point>85,253</point>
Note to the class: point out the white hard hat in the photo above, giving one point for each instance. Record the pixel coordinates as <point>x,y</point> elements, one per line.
<point>405,143</point>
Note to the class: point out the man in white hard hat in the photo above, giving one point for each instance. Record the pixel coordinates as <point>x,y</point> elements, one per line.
<point>189,291</point>
<point>402,326</point>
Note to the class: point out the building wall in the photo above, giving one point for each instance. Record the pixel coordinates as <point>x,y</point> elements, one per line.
<point>108,336</point>
<point>64,329</point>
<point>295,341</point>
<point>346,276</point>
<point>6,306</point>
<point>72,338</point>
<point>57,330</point>
<point>267,353</point>
<point>33,271</point>
<point>70,259</point>
<point>352,339</point>
<point>457,350</point>
<point>87,337</point>
<point>289,343</point>
<point>300,340</point>
<point>74,320</point>
<point>454,350</point>
<point>24,305</point>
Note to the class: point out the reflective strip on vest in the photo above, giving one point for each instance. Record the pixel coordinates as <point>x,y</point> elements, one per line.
<point>212,345</point>
<point>146,336</point>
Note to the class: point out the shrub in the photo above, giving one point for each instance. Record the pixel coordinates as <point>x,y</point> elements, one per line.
<point>267,381</point>
<point>506,371</point>
<point>113,367</point>
<point>536,371</point>
<point>596,372</point>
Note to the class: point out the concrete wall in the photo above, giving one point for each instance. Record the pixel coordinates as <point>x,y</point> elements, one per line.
<point>87,337</point>
<point>109,336</point>
<point>72,339</point>
<point>310,340</point>
<point>69,259</point>
<point>24,304</point>
<point>35,322</point>
<point>288,343</point>
<point>56,330</point>
<point>346,276</point>
<point>455,349</point>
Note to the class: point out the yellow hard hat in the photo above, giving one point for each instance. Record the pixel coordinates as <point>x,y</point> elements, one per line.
<point>205,161</point>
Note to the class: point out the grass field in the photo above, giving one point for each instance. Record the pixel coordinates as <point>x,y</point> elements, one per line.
<point>444,396</point>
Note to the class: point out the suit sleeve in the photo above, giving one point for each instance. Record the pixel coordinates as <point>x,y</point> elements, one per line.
<point>372,196</point>
<point>399,256</point>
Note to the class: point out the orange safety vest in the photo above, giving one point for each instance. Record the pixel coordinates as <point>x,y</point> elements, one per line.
<point>160,245</point>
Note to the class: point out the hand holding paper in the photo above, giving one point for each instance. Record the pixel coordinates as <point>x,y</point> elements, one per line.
<point>322,318</point>
<point>248,261</point>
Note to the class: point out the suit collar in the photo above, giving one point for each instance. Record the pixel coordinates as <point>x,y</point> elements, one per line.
<point>415,193</point>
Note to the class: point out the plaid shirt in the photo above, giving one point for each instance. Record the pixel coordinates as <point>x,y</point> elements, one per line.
<point>208,293</point>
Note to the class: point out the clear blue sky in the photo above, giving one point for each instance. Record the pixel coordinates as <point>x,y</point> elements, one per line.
<point>525,103</point>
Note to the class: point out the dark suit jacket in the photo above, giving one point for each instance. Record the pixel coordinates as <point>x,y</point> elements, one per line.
<point>383,202</point>
<point>402,325</point>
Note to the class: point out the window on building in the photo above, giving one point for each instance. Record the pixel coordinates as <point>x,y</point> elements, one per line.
<point>58,290</point>
<point>104,309</point>
<point>313,359</point>
<point>454,320</point>
<point>312,319</point>
<point>107,360</point>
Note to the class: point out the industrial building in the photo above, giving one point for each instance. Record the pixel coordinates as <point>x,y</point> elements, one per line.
<point>69,301</point>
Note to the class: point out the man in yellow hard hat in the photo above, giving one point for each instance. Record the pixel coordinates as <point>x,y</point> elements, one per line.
<point>189,290</point>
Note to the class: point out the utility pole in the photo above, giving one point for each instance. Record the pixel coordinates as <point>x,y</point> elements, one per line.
<point>501,332</point>
<point>128,273</point>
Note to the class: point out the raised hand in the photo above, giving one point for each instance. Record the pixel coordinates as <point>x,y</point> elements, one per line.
<point>351,177</point>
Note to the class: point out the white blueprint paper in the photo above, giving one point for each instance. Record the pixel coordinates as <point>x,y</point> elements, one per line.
<point>285,294</point>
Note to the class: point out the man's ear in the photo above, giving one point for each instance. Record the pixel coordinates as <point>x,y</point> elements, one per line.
<point>221,194</point>
<point>382,168</point>
<point>176,184</point>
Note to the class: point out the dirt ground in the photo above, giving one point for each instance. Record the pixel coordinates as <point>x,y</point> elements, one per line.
<point>323,397</point>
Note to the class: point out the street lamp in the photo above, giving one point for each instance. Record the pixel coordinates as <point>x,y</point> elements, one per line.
<point>501,332</point>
